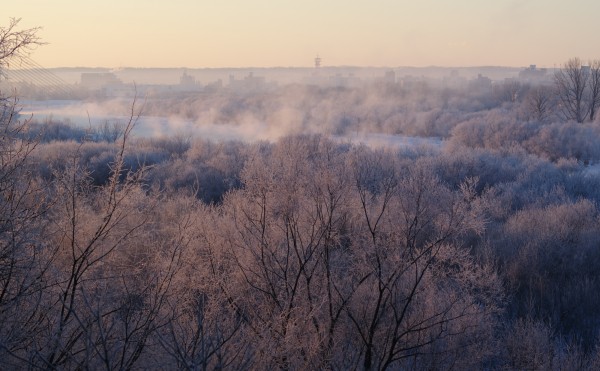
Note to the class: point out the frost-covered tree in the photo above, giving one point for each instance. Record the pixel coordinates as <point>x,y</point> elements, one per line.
<point>16,43</point>
<point>578,89</point>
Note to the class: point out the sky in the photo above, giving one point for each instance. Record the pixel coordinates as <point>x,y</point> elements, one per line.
<point>291,33</point>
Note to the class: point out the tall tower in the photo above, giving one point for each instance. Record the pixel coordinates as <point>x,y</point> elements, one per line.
<point>317,61</point>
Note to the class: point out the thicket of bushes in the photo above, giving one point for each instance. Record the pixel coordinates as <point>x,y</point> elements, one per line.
<point>302,253</point>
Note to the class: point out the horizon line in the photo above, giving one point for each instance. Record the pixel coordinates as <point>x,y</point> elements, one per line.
<point>290,67</point>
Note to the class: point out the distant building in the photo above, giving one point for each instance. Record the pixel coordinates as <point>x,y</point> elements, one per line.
<point>93,80</point>
<point>187,80</point>
<point>533,74</point>
<point>187,84</point>
<point>481,83</point>
<point>409,82</point>
<point>214,86</point>
<point>249,83</point>
<point>454,81</point>
<point>586,70</point>
<point>389,77</point>
<point>339,80</point>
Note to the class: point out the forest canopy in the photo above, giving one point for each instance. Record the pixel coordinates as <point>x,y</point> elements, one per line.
<point>305,252</point>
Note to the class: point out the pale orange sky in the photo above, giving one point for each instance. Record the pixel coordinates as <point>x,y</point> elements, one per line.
<point>262,33</point>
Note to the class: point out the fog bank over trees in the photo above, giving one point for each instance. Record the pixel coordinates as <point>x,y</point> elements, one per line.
<point>529,112</point>
<point>303,249</point>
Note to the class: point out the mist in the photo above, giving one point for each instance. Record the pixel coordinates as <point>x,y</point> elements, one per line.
<point>273,223</point>
<point>350,103</point>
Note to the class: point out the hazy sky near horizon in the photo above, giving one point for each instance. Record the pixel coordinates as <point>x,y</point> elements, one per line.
<point>270,33</point>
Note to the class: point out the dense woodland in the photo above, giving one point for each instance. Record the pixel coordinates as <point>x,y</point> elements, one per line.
<point>306,252</point>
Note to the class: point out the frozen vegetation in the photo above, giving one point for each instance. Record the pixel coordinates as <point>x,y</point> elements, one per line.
<point>304,227</point>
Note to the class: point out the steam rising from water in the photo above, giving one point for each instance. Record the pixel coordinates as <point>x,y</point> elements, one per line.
<point>249,129</point>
